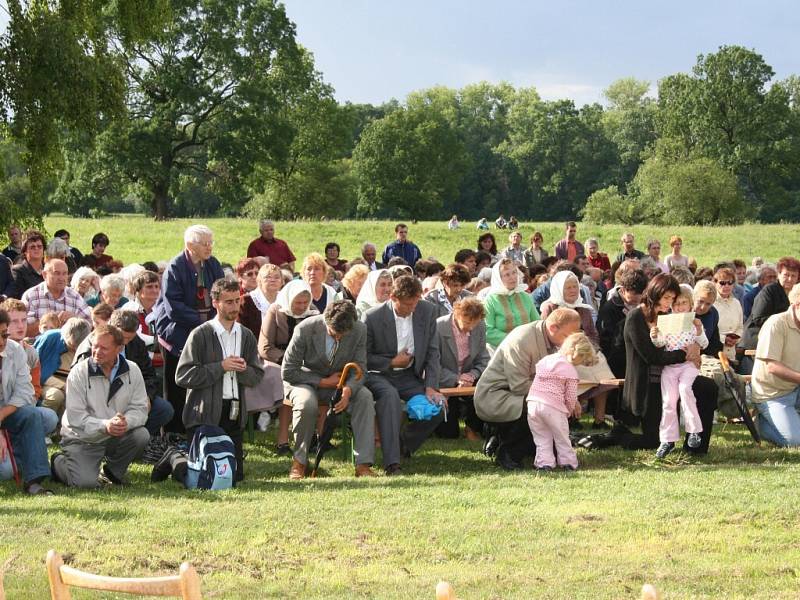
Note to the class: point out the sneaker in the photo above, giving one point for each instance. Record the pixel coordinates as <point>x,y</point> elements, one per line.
<point>694,440</point>
<point>106,478</point>
<point>665,449</point>
<point>544,469</point>
<point>263,421</point>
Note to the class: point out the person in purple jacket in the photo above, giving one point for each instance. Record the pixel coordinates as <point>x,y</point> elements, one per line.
<point>184,303</point>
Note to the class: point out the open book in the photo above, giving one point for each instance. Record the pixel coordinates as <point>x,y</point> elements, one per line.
<point>675,323</point>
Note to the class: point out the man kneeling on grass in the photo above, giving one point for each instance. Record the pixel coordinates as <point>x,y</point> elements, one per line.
<point>106,409</point>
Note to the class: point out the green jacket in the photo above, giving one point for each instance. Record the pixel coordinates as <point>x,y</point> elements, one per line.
<point>504,312</point>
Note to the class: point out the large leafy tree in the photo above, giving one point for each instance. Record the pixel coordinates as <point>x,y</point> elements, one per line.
<point>561,151</point>
<point>205,100</point>
<point>727,110</point>
<point>409,164</point>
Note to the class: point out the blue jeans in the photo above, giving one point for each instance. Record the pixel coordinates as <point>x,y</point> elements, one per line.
<point>49,419</point>
<point>161,413</point>
<point>27,437</point>
<point>778,419</point>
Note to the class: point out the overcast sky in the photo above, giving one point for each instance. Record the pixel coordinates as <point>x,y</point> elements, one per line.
<point>374,50</point>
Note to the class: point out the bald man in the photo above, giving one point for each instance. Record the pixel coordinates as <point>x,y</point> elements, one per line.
<point>53,295</point>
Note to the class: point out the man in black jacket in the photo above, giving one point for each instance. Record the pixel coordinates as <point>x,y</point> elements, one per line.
<point>127,321</point>
<point>771,300</point>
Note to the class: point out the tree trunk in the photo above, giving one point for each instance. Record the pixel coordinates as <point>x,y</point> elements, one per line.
<point>159,202</point>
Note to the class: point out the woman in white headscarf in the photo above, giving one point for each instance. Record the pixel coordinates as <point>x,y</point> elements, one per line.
<point>565,292</point>
<point>376,290</point>
<point>292,305</point>
<point>508,304</point>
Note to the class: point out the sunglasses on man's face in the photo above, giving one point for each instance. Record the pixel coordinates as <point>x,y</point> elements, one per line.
<point>725,282</point>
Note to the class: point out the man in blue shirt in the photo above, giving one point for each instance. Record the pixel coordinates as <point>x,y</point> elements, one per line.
<point>401,247</point>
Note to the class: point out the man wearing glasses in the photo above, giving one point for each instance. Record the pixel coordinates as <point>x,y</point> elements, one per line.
<point>184,304</point>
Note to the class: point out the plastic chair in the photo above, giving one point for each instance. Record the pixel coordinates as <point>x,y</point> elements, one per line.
<point>186,585</point>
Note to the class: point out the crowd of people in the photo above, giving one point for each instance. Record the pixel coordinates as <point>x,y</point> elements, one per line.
<point>118,363</point>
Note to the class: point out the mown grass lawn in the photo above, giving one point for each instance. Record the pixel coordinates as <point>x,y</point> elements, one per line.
<point>137,238</point>
<point>724,526</point>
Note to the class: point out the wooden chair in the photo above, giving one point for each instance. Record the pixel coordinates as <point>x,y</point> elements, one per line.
<point>186,585</point>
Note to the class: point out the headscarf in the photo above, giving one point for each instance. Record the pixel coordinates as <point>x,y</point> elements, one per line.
<point>557,284</point>
<point>498,287</point>
<point>287,295</point>
<point>367,296</point>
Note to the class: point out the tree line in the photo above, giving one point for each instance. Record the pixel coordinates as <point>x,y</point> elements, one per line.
<point>205,107</point>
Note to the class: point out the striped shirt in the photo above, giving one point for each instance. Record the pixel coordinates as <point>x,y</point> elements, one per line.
<point>39,301</point>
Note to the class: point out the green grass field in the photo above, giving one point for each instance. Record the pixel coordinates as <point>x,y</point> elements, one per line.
<point>723,526</point>
<point>136,238</point>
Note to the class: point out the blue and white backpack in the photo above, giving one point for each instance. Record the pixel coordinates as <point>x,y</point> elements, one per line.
<point>212,461</point>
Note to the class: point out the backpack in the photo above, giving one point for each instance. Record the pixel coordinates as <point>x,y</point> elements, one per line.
<point>212,462</point>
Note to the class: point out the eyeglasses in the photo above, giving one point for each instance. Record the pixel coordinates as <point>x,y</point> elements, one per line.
<point>206,244</point>
<point>251,274</point>
<point>725,282</point>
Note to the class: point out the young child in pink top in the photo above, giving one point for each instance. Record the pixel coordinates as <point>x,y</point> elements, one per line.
<point>677,381</point>
<point>553,398</point>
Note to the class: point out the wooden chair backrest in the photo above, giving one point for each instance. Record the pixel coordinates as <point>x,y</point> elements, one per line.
<point>186,585</point>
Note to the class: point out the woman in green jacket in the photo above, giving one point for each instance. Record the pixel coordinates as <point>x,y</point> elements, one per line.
<point>508,304</point>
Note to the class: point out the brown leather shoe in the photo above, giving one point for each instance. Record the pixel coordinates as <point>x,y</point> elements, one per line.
<point>365,471</point>
<point>471,434</point>
<point>298,470</point>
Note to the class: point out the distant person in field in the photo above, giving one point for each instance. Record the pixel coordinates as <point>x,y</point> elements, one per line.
<point>14,249</point>
<point>513,223</point>
<point>482,225</point>
<point>453,223</point>
<point>675,258</point>
<point>184,304</point>
<point>501,222</point>
<point>568,247</point>
<point>402,247</point>
<point>277,251</point>
<point>369,252</point>
<point>27,272</point>
<point>629,248</point>
<point>97,257</point>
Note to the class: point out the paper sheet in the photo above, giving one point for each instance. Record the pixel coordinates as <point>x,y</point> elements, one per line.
<point>675,323</point>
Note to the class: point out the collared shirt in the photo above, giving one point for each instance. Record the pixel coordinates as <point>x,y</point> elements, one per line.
<point>39,301</point>
<point>277,251</point>
<point>778,340</point>
<point>231,342</point>
<point>515,254</point>
<point>404,327</point>
<point>115,368</point>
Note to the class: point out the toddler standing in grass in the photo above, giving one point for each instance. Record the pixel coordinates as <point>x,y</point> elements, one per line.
<point>677,381</point>
<point>553,397</point>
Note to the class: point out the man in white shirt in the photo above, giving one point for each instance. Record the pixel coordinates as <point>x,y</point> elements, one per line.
<point>403,362</point>
<point>219,360</point>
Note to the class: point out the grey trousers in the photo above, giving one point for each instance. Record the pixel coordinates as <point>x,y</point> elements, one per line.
<point>390,391</point>
<point>305,409</point>
<point>80,465</point>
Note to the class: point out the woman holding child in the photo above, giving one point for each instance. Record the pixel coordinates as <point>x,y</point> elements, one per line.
<point>641,396</point>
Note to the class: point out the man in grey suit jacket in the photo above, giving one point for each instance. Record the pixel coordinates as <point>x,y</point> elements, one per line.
<point>403,361</point>
<point>466,327</point>
<point>312,365</point>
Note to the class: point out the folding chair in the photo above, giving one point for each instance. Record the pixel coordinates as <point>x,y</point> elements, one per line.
<point>186,585</point>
